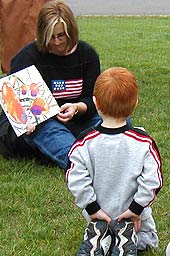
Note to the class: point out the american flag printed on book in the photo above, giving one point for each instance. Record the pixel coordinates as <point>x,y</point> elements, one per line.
<point>67,88</point>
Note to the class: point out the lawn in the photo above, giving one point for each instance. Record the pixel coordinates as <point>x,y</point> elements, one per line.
<point>37,213</point>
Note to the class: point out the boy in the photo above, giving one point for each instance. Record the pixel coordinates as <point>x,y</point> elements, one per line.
<point>115,172</point>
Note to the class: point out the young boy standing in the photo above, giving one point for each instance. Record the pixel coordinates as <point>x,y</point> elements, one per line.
<point>115,171</point>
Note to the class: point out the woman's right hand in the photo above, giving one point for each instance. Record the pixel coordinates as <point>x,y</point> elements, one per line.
<point>67,111</point>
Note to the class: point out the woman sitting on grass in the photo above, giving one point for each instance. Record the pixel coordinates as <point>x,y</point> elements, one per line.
<point>59,55</point>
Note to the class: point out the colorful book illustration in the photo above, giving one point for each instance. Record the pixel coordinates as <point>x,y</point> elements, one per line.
<point>26,99</point>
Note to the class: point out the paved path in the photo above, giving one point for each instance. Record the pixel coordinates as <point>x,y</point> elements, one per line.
<point>120,7</point>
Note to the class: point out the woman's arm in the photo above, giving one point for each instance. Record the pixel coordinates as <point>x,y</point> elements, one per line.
<point>91,70</point>
<point>24,58</point>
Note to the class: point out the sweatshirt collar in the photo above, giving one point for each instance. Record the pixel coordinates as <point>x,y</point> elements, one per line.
<point>118,130</point>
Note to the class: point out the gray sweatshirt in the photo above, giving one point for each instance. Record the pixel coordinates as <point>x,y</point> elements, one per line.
<point>114,170</point>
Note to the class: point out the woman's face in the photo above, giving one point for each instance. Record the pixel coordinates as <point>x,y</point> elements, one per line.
<point>58,42</point>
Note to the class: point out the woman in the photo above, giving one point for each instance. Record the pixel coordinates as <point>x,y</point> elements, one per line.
<point>70,68</point>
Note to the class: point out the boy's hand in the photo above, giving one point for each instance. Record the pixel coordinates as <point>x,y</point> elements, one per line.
<point>100,215</point>
<point>134,217</point>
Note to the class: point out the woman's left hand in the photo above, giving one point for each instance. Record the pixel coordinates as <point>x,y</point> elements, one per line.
<point>30,129</point>
<point>67,111</point>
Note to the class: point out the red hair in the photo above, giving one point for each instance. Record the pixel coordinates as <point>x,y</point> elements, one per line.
<point>116,92</point>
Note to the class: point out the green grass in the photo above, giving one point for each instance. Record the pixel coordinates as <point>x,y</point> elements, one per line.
<point>37,213</point>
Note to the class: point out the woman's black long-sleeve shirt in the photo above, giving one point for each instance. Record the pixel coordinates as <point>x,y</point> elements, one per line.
<point>70,78</point>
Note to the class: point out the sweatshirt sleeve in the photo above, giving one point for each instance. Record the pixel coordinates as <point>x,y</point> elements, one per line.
<point>149,182</point>
<point>79,182</point>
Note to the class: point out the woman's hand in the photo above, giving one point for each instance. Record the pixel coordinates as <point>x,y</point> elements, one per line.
<point>30,129</point>
<point>67,111</point>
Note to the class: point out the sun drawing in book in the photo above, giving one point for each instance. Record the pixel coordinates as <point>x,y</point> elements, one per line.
<point>26,99</point>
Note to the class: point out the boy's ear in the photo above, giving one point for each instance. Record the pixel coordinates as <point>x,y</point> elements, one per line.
<point>94,99</point>
<point>95,102</point>
<point>137,102</point>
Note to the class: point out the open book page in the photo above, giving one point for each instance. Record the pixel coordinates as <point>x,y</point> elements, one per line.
<point>26,99</point>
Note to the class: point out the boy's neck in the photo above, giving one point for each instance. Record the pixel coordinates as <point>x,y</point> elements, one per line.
<point>110,122</point>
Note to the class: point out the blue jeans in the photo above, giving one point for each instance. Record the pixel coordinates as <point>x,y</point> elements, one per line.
<point>54,139</point>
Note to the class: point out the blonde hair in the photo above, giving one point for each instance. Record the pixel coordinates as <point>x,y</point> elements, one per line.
<point>116,92</point>
<point>50,14</point>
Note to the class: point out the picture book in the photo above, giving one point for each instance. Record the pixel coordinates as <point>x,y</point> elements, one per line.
<point>26,99</point>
